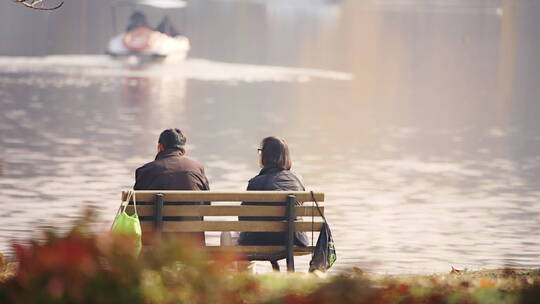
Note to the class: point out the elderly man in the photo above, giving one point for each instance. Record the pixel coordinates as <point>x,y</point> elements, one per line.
<point>173,170</point>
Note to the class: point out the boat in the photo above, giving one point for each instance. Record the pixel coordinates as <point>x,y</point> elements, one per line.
<point>140,42</point>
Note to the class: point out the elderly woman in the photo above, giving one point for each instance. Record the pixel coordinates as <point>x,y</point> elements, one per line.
<point>275,175</point>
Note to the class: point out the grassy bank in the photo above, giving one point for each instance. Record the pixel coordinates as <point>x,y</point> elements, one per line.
<point>173,286</point>
<point>80,267</point>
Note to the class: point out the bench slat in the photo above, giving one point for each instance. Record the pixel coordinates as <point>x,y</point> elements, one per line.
<point>257,249</point>
<point>246,250</point>
<point>225,196</point>
<point>148,210</point>
<point>254,226</point>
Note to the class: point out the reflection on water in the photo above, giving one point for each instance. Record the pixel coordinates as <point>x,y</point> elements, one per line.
<point>417,118</point>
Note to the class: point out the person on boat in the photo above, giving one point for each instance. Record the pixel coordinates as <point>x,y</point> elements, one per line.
<point>173,170</point>
<point>166,27</point>
<point>275,162</point>
<point>136,20</point>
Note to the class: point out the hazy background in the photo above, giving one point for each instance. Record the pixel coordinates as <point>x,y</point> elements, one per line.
<point>418,119</point>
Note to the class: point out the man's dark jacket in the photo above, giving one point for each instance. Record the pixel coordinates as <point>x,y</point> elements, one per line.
<point>272,179</point>
<point>173,171</point>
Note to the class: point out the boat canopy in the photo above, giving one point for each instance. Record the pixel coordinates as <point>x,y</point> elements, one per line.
<point>161,4</point>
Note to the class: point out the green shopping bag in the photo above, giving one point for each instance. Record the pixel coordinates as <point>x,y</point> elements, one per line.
<point>130,225</point>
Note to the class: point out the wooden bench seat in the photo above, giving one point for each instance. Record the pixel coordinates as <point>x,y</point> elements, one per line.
<point>159,212</point>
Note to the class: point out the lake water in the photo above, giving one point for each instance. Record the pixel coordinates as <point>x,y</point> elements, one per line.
<point>418,119</point>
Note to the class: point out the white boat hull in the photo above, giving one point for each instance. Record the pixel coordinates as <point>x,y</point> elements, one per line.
<point>161,46</point>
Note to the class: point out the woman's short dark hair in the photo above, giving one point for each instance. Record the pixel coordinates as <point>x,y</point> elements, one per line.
<point>275,153</point>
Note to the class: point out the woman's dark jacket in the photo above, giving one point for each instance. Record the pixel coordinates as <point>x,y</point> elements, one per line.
<point>272,179</point>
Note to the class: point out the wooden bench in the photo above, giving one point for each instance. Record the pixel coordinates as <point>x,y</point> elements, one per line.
<point>156,208</point>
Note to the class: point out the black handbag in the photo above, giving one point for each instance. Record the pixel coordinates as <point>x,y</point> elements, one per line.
<point>324,253</point>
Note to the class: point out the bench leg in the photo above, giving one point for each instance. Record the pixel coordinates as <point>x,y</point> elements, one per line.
<point>275,265</point>
<point>158,215</point>
<point>291,202</point>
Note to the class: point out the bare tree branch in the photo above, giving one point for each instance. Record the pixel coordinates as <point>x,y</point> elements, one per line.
<point>38,4</point>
